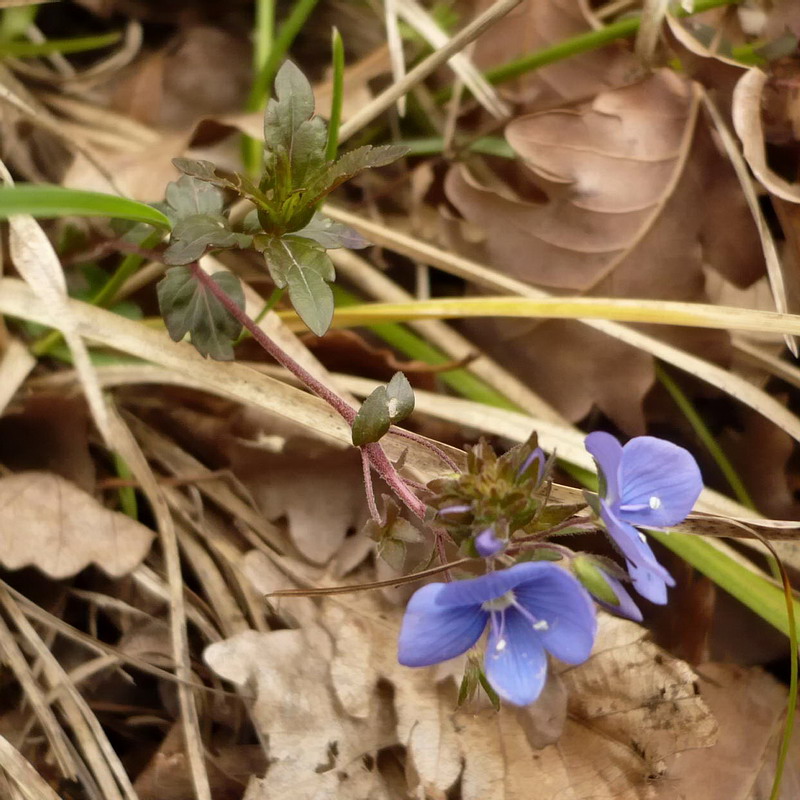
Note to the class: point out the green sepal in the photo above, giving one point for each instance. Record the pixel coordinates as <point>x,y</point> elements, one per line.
<point>594,579</point>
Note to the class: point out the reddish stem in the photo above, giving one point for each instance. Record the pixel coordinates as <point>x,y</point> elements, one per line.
<point>377,457</point>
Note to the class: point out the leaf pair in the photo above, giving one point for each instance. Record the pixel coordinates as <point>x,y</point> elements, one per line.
<point>386,406</point>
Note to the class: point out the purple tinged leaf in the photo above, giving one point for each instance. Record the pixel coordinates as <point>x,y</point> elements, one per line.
<point>189,307</point>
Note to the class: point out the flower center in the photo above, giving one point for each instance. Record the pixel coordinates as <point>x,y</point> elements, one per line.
<point>499,603</point>
<point>655,502</point>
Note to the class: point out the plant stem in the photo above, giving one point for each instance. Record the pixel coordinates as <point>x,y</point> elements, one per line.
<point>343,408</point>
<point>377,457</point>
<point>370,492</point>
<point>415,437</point>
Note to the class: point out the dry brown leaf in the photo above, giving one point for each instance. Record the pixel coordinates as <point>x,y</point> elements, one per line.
<point>315,749</point>
<point>624,176</point>
<point>50,523</point>
<point>536,25</point>
<point>321,497</point>
<point>749,705</point>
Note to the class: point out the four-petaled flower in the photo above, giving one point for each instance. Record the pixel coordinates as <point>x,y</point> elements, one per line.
<point>530,608</point>
<point>648,482</point>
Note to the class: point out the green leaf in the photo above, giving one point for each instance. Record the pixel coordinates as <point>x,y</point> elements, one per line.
<point>44,201</point>
<point>188,196</point>
<point>192,235</point>
<point>208,172</point>
<point>372,420</point>
<point>294,139</point>
<point>349,165</point>
<point>305,268</point>
<point>593,578</point>
<point>188,307</point>
<point>399,397</point>
<point>332,235</point>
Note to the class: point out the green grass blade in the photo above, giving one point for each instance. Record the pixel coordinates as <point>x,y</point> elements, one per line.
<point>757,593</point>
<point>337,95</point>
<point>42,200</point>
<point>80,44</point>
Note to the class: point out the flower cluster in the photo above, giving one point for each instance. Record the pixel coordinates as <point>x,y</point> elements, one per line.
<point>499,510</point>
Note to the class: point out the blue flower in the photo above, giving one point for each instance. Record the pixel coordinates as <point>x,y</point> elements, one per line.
<point>487,544</point>
<point>649,482</point>
<point>530,608</point>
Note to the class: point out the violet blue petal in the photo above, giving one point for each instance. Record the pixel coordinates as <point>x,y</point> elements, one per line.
<point>488,545</point>
<point>515,662</point>
<point>431,633</point>
<point>607,453</point>
<point>631,542</point>
<point>649,584</point>
<point>562,613</point>
<point>660,482</point>
<point>538,456</point>
<point>491,585</point>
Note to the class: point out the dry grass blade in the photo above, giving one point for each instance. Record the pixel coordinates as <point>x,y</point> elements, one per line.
<point>426,67</point>
<point>476,273</point>
<point>100,756</point>
<point>774,270</point>
<point>137,463</point>
<point>37,262</point>
<point>56,738</point>
<point>377,285</point>
<point>395,43</point>
<point>18,768</point>
<point>16,364</point>
<point>419,19</point>
<point>653,14</point>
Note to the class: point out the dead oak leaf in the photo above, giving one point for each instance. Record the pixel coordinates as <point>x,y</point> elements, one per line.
<point>49,523</point>
<point>750,706</point>
<point>315,748</point>
<point>630,706</point>
<point>626,177</point>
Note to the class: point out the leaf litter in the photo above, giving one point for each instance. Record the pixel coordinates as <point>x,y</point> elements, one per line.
<point>323,709</point>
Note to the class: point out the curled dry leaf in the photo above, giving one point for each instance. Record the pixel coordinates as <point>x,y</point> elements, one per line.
<point>747,106</point>
<point>624,177</point>
<point>49,523</point>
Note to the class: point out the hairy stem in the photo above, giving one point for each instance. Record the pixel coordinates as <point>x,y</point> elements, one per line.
<point>374,452</point>
<point>342,407</point>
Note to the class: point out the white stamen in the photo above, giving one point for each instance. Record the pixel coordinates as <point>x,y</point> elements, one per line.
<point>501,645</point>
<point>541,625</point>
<point>655,502</point>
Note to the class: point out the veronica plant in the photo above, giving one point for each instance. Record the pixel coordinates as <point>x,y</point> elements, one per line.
<point>500,509</point>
